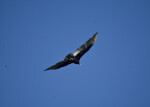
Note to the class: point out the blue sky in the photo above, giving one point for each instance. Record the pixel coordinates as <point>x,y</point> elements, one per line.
<point>35,34</point>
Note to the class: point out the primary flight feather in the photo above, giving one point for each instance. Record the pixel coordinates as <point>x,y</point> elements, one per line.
<point>75,57</point>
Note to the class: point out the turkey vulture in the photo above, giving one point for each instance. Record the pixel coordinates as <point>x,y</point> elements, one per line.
<point>75,57</point>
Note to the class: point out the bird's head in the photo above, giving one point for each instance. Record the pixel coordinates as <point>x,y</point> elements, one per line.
<point>79,63</point>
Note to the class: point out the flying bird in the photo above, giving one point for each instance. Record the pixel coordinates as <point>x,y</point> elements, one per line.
<point>75,57</point>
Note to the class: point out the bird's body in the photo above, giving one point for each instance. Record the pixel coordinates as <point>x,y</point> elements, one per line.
<point>72,58</point>
<point>75,57</point>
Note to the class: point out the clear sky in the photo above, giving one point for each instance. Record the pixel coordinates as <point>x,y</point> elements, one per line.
<point>35,34</point>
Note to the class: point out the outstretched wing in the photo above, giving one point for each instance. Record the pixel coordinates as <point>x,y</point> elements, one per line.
<point>85,47</point>
<point>59,65</point>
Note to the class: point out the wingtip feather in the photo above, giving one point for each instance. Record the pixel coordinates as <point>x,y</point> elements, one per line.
<point>95,36</point>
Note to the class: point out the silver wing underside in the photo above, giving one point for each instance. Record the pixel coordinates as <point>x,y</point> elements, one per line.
<point>85,47</point>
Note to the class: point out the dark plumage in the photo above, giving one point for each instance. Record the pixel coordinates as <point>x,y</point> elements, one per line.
<point>75,57</point>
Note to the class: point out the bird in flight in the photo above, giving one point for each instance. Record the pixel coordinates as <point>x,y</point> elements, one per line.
<point>75,57</point>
